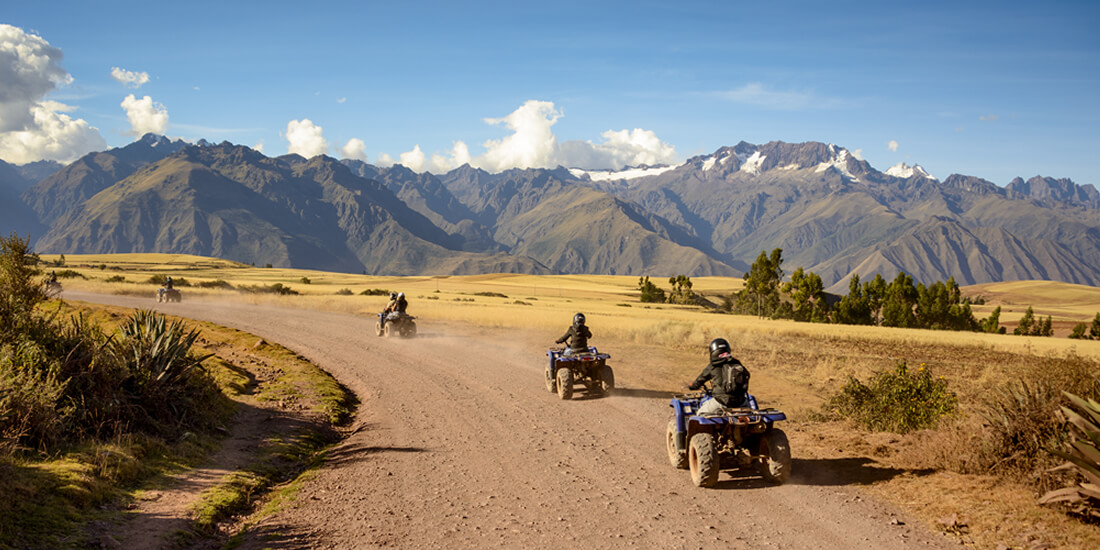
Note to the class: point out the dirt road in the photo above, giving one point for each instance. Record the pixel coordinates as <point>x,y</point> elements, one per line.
<point>460,445</point>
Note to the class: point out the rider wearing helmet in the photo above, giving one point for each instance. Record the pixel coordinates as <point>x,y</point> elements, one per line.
<point>401,304</point>
<point>392,305</point>
<point>730,378</point>
<point>577,335</point>
<point>168,282</point>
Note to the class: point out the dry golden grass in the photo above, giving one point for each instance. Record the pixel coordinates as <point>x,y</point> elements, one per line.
<point>661,347</point>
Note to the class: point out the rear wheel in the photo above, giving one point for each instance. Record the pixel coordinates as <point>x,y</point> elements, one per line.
<point>607,379</point>
<point>775,467</point>
<point>703,460</point>
<point>565,383</point>
<point>677,458</point>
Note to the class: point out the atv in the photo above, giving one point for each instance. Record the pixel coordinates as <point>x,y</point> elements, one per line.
<point>589,368</point>
<point>734,437</point>
<point>396,323</point>
<point>168,295</point>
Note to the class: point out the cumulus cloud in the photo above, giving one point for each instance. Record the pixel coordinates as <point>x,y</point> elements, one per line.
<point>892,145</point>
<point>32,128</point>
<point>259,146</point>
<point>53,136</point>
<point>384,160</point>
<point>129,79</point>
<point>459,155</point>
<point>305,138</point>
<point>145,115</point>
<point>413,160</point>
<point>29,69</point>
<point>354,149</point>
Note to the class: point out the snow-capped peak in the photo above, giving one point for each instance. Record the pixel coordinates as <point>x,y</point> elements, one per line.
<point>624,174</point>
<point>904,171</point>
<point>839,161</point>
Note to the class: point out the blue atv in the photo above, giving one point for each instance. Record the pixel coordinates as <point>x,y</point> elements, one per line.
<point>734,437</point>
<point>589,368</point>
<point>395,323</point>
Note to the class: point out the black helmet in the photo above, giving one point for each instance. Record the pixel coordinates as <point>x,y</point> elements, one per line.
<point>393,295</point>
<point>718,348</point>
<point>578,319</point>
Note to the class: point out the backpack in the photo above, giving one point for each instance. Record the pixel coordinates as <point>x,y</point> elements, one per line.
<point>733,378</point>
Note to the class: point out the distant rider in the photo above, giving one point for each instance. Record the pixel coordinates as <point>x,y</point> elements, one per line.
<point>168,283</point>
<point>401,304</point>
<point>730,378</point>
<point>577,335</point>
<point>392,305</point>
<point>52,278</point>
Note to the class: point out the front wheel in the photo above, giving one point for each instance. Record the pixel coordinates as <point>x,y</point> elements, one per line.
<point>551,385</point>
<point>703,460</point>
<point>677,457</point>
<point>378,329</point>
<point>775,467</point>
<point>565,383</point>
<point>388,330</point>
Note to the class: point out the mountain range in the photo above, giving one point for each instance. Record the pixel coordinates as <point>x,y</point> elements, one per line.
<point>830,212</point>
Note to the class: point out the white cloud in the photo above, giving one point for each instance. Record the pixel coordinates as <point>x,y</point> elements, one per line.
<point>342,100</point>
<point>32,128</point>
<point>761,96</point>
<point>531,145</point>
<point>460,154</point>
<point>259,146</point>
<point>305,138</point>
<point>413,160</point>
<point>892,145</point>
<point>354,149</point>
<point>145,115</point>
<point>384,160</point>
<point>53,136</point>
<point>989,118</point>
<point>858,154</point>
<point>29,69</point>
<point>129,79</point>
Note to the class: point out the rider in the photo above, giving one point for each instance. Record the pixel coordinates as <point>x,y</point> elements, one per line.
<point>731,379</point>
<point>168,283</point>
<point>390,308</point>
<point>401,304</point>
<point>52,278</point>
<point>578,335</point>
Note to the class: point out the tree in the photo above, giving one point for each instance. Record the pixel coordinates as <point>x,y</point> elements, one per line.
<point>1094,330</point>
<point>650,291</point>
<point>1026,323</point>
<point>854,308</point>
<point>992,324</point>
<point>761,292</point>
<point>20,287</point>
<point>1079,331</point>
<point>681,290</point>
<point>897,306</point>
<point>875,292</point>
<point>807,291</point>
<point>1045,328</point>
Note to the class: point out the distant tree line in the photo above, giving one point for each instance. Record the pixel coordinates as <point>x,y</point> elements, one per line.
<point>897,303</point>
<point>1081,331</point>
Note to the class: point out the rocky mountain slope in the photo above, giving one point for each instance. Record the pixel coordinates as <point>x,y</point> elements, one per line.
<point>830,212</point>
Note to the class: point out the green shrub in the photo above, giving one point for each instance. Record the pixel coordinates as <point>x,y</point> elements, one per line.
<point>375,292</point>
<point>344,292</point>
<point>116,279</point>
<point>216,283</point>
<point>69,274</point>
<point>305,280</point>
<point>276,288</point>
<point>897,401</point>
<point>159,279</point>
<point>490,294</point>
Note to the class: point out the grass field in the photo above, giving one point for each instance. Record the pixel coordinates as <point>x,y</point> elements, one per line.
<point>795,365</point>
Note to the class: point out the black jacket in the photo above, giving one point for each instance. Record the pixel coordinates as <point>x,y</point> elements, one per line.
<point>738,388</point>
<point>578,337</point>
<point>401,305</point>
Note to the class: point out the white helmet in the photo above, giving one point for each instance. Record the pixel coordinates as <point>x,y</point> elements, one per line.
<point>400,295</point>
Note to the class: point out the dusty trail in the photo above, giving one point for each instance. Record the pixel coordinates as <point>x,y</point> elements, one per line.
<point>460,445</point>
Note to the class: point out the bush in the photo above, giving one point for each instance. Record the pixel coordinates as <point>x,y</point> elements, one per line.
<point>1082,450</point>
<point>68,274</point>
<point>897,401</point>
<point>344,292</point>
<point>304,280</point>
<point>116,279</point>
<point>216,283</point>
<point>490,294</point>
<point>375,292</point>
<point>161,279</point>
<point>276,288</point>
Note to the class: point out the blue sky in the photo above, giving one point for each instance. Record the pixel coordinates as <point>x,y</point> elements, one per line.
<point>990,89</point>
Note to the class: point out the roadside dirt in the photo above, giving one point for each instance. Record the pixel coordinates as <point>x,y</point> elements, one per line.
<point>458,444</point>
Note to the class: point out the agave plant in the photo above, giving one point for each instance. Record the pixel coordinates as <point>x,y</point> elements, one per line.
<point>1083,455</point>
<point>156,350</point>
